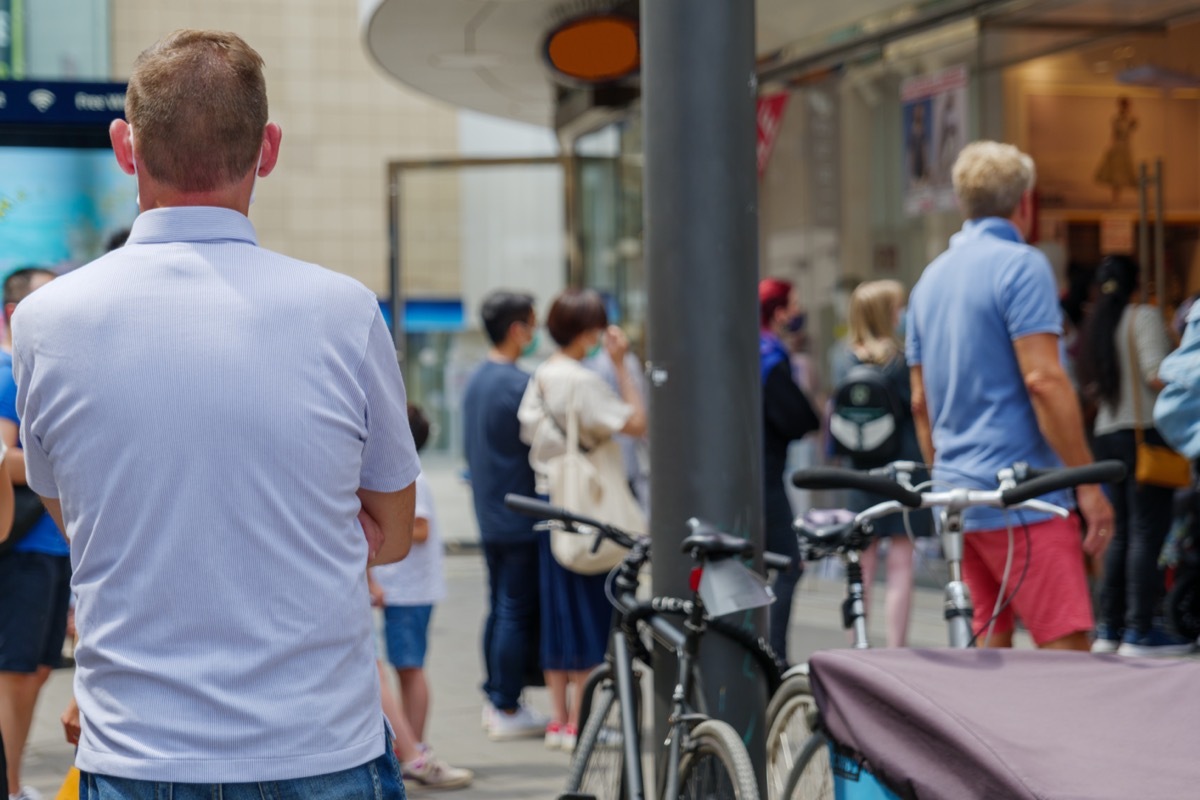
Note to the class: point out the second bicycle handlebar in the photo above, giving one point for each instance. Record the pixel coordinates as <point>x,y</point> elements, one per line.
<point>838,478</point>
<point>1065,478</point>
<point>1046,481</point>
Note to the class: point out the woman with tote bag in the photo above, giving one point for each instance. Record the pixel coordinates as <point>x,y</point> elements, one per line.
<point>1123,344</point>
<point>568,417</point>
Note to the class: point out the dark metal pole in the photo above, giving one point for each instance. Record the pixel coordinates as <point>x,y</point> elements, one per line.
<point>701,222</point>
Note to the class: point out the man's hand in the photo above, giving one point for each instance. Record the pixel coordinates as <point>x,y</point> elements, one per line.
<point>1098,514</point>
<point>372,531</point>
<point>70,722</point>
<point>376,592</point>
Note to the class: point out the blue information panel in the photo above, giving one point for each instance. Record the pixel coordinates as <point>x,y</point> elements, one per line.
<point>60,103</point>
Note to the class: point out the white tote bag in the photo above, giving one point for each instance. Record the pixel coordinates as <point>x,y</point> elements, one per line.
<point>593,484</point>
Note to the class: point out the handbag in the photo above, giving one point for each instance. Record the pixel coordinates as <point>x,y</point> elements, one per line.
<point>1155,465</point>
<point>591,483</point>
<point>27,512</point>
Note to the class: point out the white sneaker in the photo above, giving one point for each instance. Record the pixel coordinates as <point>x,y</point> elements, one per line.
<point>26,793</point>
<point>520,724</point>
<point>569,738</point>
<point>432,772</point>
<point>485,721</point>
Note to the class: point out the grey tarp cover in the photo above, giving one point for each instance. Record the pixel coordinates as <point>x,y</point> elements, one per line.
<point>961,724</point>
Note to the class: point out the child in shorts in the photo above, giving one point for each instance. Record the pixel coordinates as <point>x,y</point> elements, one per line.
<point>409,589</point>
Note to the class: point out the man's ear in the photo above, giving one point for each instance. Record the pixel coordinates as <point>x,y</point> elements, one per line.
<point>272,136</point>
<point>119,133</point>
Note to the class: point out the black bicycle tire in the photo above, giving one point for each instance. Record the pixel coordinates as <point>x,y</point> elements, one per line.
<point>815,747</point>
<point>594,679</point>
<point>585,748</point>
<point>793,703</point>
<point>768,661</point>
<point>719,739</point>
<point>1183,604</point>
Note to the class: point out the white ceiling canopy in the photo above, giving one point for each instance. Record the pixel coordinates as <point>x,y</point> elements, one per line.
<point>486,55</point>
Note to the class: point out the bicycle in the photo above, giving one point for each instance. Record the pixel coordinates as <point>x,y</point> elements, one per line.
<point>809,772</point>
<point>703,757</point>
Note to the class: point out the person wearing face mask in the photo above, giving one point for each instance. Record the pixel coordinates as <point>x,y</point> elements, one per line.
<point>576,611</point>
<point>222,432</point>
<point>498,463</point>
<point>787,416</point>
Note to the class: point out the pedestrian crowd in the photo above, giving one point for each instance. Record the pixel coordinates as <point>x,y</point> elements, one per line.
<point>208,462</point>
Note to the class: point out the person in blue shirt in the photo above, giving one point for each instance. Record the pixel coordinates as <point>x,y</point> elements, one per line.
<point>498,463</point>
<point>989,390</point>
<point>35,577</point>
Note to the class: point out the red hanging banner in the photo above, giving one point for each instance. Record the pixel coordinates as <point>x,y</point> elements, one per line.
<point>770,116</point>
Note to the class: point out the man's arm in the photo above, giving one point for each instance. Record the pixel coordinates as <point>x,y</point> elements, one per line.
<point>12,472</point>
<point>1061,422</point>
<point>387,520</point>
<point>920,412</point>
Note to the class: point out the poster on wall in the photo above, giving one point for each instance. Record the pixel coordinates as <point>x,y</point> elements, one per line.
<point>934,112</point>
<point>1089,143</point>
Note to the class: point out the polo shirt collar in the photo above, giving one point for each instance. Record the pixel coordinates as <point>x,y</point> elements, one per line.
<point>993,227</point>
<point>191,224</point>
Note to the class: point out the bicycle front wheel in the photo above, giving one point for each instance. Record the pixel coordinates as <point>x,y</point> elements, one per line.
<point>789,725</point>
<point>598,764</point>
<point>811,777</point>
<point>716,764</point>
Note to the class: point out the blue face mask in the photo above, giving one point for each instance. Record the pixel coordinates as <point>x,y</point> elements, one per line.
<point>532,347</point>
<point>796,323</point>
<point>595,349</point>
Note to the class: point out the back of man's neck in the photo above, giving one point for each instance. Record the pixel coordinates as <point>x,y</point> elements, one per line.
<point>499,356</point>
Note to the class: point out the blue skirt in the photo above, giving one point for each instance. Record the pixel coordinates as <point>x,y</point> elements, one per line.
<point>576,615</point>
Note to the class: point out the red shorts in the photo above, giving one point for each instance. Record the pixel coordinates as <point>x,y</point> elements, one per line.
<point>1052,601</point>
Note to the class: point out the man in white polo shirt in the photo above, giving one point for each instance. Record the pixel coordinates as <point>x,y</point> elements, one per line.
<point>216,427</point>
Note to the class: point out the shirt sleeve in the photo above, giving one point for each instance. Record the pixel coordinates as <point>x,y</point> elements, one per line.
<point>1150,338</point>
<point>389,460</point>
<point>601,412</point>
<point>1030,298</point>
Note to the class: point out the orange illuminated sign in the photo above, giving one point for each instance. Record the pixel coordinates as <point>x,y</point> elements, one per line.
<point>596,49</point>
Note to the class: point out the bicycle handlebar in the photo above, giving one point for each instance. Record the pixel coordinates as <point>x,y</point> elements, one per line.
<point>837,478</point>
<point>539,509</point>
<point>1047,481</point>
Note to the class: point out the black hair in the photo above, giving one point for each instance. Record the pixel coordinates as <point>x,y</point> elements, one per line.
<point>117,240</point>
<point>501,309</point>
<point>419,425</point>
<point>1100,355</point>
<point>19,283</point>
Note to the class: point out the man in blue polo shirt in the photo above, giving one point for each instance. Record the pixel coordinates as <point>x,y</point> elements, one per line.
<point>35,577</point>
<point>222,432</point>
<point>989,390</point>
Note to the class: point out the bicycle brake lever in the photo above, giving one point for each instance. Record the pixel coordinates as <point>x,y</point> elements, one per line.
<point>1043,506</point>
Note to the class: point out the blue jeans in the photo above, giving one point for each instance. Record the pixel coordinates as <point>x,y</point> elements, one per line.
<point>1133,582</point>
<point>375,780</point>
<point>511,632</point>
<point>781,539</point>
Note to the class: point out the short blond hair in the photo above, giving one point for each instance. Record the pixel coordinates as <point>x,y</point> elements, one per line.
<point>197,103</point>
<point>990,177</point>
<point>872,321</point>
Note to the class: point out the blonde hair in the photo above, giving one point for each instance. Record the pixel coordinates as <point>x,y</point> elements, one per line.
<point>197,103</point>
<point>873,307</point>
<point>989,179</point>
